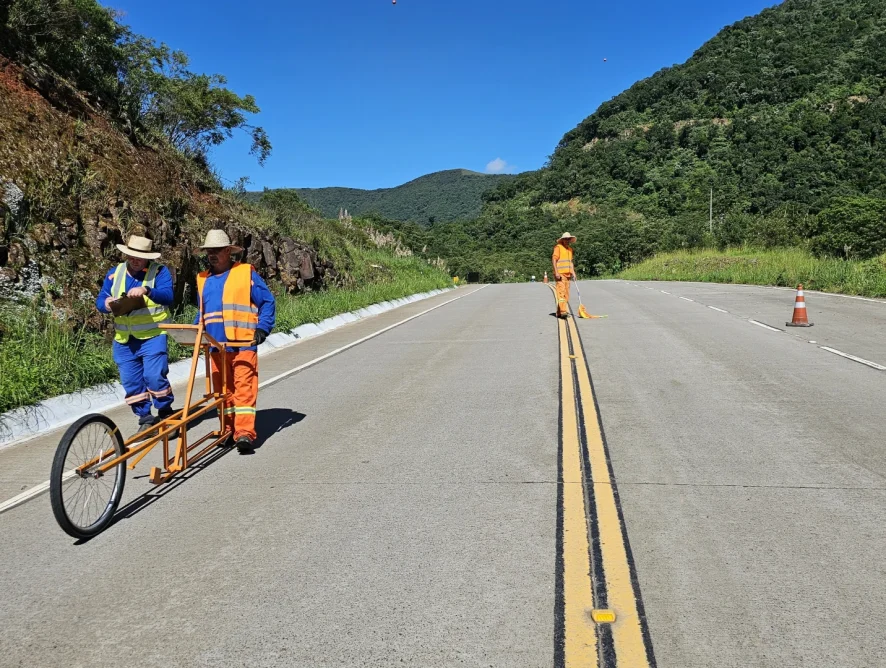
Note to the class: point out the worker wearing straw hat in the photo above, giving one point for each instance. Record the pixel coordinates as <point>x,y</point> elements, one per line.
<point>236,306</point>
<point>138,292</point>
<point>564,270</point>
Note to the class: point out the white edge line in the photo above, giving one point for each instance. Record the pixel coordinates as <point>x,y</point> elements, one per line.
<point>29,494</point>
<point>286,374</point>
<point>664,292</point>
<point>718,309</point>
<point>37,490</point>
<point>687,299</point>
<point>813,292</point>
<point>779,287</point>
<point>860,360</point>
<point>765,326</point>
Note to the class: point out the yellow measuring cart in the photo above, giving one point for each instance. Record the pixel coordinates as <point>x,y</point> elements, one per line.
<point>89,469</point>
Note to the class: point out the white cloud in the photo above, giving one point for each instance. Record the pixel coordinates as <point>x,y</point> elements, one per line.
<point>499,166</point>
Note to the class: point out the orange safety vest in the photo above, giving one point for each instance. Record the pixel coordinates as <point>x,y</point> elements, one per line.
<point>238,313</point>
<point>563,260</point>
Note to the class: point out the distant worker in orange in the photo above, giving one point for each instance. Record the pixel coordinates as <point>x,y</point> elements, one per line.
<point>564,270</point>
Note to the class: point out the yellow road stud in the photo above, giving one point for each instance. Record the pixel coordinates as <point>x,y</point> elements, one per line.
<point>603,616</point>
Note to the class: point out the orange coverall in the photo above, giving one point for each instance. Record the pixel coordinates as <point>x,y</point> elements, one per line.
<point>564,269</point>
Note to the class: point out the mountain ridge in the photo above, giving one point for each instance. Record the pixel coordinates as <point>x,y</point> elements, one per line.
<point>444,196</point>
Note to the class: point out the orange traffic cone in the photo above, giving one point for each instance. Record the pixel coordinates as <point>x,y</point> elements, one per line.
<point>546,277</point>
<point>799,319</point>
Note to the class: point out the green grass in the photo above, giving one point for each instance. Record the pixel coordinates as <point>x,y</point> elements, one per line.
<point>783,267</point>
<point>42,356</point>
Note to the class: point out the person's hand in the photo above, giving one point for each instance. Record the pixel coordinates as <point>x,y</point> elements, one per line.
<point>558,277</point>
<point>140,291</point>
<point>108,302</point>
<point>259,337</point>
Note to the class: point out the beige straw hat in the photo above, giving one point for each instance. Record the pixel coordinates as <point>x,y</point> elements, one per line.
<point>219,239</point>
<point>567,235</point>
<point>138,247</point>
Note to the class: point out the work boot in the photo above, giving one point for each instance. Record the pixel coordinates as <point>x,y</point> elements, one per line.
<point>145,423</point>
<point>244,445</point>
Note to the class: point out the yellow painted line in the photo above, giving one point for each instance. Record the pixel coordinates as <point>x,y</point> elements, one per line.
<point>580,644</point>
<point>627,632</point>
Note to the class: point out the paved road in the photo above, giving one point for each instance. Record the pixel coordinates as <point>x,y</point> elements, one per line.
<point>404,508</point>
<point>752,471</point>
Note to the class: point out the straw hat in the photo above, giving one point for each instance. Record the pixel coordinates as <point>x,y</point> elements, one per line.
<point>567,235</point>
<point>219,239</point>
<point>138,247</point>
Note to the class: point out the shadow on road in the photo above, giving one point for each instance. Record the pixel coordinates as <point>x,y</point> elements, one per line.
<point>268,422</point>
<point>271,421</point>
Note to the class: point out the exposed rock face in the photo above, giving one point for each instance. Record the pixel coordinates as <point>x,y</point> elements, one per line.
<point>72,186</point>
<point>68,254</point>
<point>294,264</point>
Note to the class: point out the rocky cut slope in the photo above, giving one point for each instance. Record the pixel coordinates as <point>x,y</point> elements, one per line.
<point>72,186</point>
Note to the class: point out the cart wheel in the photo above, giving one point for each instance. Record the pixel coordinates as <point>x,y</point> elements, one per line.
<point>84,504</point>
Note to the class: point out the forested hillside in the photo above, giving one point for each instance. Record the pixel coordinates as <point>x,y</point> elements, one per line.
<point>782,115</point>
<point>454,194</point>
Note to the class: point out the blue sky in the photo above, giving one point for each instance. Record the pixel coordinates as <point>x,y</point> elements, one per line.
<point>365,94</point>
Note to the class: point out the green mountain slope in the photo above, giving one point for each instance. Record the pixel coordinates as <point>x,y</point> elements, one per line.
<point>782,107</point>
<point>781,114</point>
<point>442,196</point>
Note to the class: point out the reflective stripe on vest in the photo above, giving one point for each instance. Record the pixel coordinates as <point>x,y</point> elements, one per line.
<point>564,263</point>
<point>239,314</point>
<point>143,323</point>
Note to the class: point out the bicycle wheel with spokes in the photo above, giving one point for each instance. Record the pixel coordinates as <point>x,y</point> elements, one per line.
<point>84,501</point>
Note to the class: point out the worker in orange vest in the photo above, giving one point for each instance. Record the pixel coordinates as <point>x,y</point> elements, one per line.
<point>564,270</point>
<point>236,307</point>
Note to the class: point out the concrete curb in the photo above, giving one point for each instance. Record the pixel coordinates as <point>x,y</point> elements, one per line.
<point>25,423</point>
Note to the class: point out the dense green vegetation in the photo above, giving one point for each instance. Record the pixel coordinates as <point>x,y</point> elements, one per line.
<point>454,194</point>
<point>782,115</point>
<point>145,87</point>
<point>786,267</point>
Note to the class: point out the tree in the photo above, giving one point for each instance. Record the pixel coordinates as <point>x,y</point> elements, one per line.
<point>145,86</point>
<point>853,227</point>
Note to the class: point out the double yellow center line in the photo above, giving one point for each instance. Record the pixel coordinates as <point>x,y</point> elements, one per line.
<point>600,619</point>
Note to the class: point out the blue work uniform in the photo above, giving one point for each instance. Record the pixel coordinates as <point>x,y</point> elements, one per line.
<point>143,363</point>
<point>262,299</point>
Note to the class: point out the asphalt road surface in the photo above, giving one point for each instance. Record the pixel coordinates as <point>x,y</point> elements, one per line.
<point>443,495</point>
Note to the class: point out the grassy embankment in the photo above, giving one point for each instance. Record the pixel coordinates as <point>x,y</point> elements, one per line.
<point>784,267</point>
<point>41,356</point>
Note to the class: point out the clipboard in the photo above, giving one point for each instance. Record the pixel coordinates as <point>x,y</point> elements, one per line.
<point>126,305</point>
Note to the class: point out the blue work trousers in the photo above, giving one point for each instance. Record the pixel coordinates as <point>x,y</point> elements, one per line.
<point>144,367</point>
